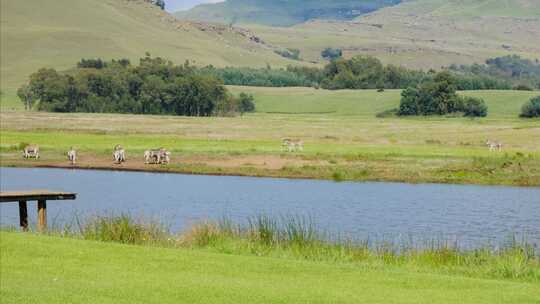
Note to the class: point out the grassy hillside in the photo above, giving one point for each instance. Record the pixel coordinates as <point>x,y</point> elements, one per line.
<point>58,33</point>
<point>475,8</point>
<point>40,269</point>
<point>423,33</point>
<point>281,13</point>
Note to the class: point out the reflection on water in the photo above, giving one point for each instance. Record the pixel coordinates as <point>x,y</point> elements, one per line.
<point>473,215</point>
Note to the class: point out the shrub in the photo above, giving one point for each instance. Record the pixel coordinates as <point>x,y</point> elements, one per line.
<point>439,97</point>
<point>331,53</point>
<point>245,103</point>
<point>531,108</point>
<point>522,87</point>
<point>293,54</point>
<point>474,107</point>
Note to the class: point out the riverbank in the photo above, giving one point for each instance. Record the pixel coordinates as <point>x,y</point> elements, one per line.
<point>509,170</point>
<point>355,148</point>
<point>48,269</point>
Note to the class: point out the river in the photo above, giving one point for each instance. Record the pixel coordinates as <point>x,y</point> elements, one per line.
<point>472,215</point>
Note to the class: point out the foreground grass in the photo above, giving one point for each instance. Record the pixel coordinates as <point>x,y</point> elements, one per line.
<point>298,237</point>
<point>40,269</point>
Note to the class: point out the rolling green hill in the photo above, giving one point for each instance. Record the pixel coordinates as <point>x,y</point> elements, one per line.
<point>36,33</point>
<point>282,12</point>
<point>418,33</point>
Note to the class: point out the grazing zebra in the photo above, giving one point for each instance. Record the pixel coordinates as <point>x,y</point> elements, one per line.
<point>157,156</point>
<point>72,155</point>
<point>119,154</point>
<point>31,151</point>
<point>292,145</point>
<point>494,145</point>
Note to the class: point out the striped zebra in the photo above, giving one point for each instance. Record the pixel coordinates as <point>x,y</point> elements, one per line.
<point>494,145</point>
<point>292,145</point>
<point>31,151</point>
<point>72,155</point>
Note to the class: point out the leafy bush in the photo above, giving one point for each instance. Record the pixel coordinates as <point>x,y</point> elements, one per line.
<point>436,97</point>
<point>531,108</point>
<point>245,103</point>
<point>293,54</point>
<point>522,87</point>
<point>331,53</point>
<point>474,107</point>
<point>439,97</point>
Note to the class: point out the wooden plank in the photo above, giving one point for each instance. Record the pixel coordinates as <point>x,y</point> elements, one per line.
<point>23,215</point>
<point>42,215</point>
<point>35,195</point>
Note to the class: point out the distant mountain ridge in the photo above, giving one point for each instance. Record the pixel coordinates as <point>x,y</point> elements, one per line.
<point>282,12</point>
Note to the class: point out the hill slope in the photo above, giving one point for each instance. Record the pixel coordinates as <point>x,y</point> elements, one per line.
<point>59,33</point>
<point>423,33</point>
<point>281,12</point>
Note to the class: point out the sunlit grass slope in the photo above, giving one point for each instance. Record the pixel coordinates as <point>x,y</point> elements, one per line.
<point>40,269</point>
<point>36,33</point>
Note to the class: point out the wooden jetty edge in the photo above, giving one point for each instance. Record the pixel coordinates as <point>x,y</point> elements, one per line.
<point>41,196</point>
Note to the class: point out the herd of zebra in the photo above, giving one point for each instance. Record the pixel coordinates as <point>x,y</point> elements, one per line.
<point>155,156</point>
<point>162,156</point>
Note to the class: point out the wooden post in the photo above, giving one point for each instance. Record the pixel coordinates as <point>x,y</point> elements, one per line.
<point>42,215</point>
<point>23,215</point>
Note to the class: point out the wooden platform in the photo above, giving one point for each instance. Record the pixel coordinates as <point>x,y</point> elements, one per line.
<point>35,195</point>
<point>41,196</point>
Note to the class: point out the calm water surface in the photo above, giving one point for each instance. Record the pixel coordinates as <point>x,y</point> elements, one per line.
<point>472,215</point>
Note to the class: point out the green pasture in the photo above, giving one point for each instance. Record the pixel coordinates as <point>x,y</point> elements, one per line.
<point>366,102</point>
<point>41,269</point>
<point>343,138</point>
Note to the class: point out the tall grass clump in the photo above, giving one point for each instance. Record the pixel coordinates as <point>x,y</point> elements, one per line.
<point>123,229</point>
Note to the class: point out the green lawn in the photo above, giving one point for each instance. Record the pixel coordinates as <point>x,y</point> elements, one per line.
<point>42,269</point>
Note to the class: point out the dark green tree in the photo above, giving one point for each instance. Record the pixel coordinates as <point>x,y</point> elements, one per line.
<point>27,96</point>
<point>474,107</point>
<point>531,108</point>
<point>246,103</point>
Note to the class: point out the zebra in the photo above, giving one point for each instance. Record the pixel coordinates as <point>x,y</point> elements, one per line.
<point>292,145</point>
<point>72,155</point>
<point>31,151</point>
<point>157,156</point>
<point>119,154</point>
<point>494,145</point>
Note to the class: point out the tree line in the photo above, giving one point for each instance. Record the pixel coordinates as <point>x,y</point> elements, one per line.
<point>523,74</point>
<point>359,72</point>
<point>154,86</point>
<point>366,72</point>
